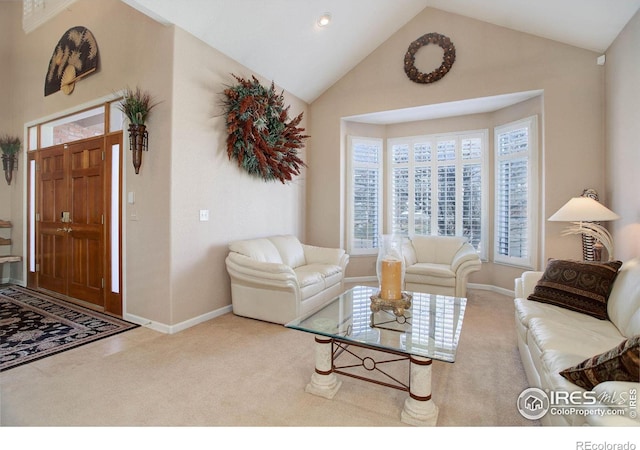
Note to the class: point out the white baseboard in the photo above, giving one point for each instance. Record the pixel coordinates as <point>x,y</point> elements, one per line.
<point>489,287</point>
<point>13,281</point>
<point>171,329</point>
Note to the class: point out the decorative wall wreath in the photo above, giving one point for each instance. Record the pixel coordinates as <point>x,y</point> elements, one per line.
<point>261,137</point>
<point>448,58</point>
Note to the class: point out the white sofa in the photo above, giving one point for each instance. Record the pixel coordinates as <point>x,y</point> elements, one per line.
<point>439,264</point>
<point>552,338</point>
<point>277,278</point>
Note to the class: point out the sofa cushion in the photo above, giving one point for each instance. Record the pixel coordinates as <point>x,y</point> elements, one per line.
<point>260,249</point>
<point>325,270</point>
<point>431,269</point>
<point>551,363</point>
<point>528,309</point>
<point>579,286</point>
<point>621,363</point>
<point>309,281</point>
<point>437,249</point>
<point>584,337</point>
<point>308,277</point>
<point>290,250</point>
<point>624,302</point>
<point>429,281</point>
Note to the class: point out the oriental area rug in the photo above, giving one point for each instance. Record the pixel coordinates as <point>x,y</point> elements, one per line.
<point>34,325</point>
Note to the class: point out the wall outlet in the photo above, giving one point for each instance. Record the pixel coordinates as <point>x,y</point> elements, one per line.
<point>204,215</point>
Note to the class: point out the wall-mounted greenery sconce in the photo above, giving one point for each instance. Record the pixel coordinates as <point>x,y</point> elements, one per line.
<point>138,143</point>
<point>136,105</point>
<point>10,147</point>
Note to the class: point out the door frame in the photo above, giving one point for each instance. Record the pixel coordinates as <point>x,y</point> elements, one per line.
<point>114,140</point>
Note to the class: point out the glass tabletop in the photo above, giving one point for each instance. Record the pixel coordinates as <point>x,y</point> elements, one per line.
<point>430,327</point>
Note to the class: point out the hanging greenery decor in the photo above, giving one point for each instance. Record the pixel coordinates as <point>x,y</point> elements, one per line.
<point>136,105</point>
<point>9,146</point>
<point>261,137</point>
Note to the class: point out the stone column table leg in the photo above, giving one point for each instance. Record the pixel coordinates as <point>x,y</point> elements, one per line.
<point>324,383</point>
<point>419,409</point>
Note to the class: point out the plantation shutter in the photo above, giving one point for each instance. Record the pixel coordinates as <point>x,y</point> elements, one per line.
<point>365,195</point>
<point>514,194</point>
<point>472,190</point>
<point>436,186</point>
<point>400,189</point>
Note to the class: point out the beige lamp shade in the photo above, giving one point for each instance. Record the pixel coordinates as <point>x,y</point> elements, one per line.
<point>583,209</point>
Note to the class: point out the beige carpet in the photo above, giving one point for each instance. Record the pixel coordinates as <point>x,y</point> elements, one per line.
<point>232,371</point>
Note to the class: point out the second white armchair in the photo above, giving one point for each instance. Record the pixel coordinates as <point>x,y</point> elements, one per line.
<point>439,264</point>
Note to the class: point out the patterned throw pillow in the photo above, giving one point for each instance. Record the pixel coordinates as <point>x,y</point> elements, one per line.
<point>577,285</point>
<point>621,363</point>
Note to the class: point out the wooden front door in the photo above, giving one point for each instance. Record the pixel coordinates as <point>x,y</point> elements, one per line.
<point>70,233</point>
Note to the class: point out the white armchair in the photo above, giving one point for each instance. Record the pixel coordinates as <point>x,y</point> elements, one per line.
<point>277,279</point>
<point>439,264</point>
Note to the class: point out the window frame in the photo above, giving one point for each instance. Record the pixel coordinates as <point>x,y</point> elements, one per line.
<point>531,122</point>
<point>458,162</point>
<point>352,141</point>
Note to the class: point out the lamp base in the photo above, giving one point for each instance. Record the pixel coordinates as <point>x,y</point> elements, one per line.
<point>597,251</point>
<point>602,236</point>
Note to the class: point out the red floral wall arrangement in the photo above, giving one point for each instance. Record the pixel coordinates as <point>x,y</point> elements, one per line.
<point>261,137</point>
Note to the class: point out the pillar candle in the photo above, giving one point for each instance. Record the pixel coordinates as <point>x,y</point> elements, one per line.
<point>391,280</point>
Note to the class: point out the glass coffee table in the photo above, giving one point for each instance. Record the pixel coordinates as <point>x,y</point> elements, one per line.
<point>349,328</point>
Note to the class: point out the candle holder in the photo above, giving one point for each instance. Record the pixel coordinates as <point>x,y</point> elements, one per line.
<point>390,270</point>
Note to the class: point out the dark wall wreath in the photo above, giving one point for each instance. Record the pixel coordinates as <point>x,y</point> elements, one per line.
<point>448,58</point>
<point>261,138</point>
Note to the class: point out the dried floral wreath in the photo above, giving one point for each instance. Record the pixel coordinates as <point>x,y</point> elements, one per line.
<point>261,137</point>
<point>448,58</point>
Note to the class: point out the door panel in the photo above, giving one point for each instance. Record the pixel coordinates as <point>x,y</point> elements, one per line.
<point>86,227</point>
<point>51,239</point>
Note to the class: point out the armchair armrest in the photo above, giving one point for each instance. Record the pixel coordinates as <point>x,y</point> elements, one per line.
<point>325,255</point>
<point>466,254</point>
<point>409,253</point>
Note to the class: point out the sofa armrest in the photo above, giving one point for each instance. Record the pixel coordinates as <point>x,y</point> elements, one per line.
<point>466,254</point>
<point>526,283</point>
<point>325,255</point>
<point>242,267</point>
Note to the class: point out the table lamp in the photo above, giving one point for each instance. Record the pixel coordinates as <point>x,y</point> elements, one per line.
<point>583,212</point>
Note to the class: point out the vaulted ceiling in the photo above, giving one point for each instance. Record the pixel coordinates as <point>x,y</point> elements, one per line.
<point>280,39</point>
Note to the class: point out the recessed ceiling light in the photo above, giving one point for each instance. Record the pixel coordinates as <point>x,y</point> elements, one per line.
<point>324,20</point>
